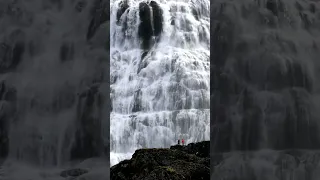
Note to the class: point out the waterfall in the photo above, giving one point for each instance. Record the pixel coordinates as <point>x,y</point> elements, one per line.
<point>159,74</point>
<point>265,66</point>
<point>53,90</point>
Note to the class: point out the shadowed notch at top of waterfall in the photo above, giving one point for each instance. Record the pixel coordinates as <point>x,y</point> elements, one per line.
<point>159,74</point>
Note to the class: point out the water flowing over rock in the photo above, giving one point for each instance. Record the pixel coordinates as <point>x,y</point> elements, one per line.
<point>159,74</point>
<point>268,97</point>
<point>54,60</point>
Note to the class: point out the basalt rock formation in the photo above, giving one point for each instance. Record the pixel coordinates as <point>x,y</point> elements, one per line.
<point>189,162</point>
<point>151,17</point>
<point>200,149</point>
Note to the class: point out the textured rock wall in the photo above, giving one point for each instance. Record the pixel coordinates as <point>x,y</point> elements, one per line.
<point>189,162</point>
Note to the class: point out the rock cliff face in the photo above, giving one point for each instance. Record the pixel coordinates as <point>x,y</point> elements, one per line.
<point>265,84</point>
<point>201,149</point>
<point>177,163</point>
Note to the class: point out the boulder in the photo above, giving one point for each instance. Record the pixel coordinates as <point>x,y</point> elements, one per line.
<point>176,163</point>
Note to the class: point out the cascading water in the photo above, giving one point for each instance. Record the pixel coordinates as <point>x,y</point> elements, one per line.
<point>159,74</point>
<point>265,66</point>
<point>53,92</point>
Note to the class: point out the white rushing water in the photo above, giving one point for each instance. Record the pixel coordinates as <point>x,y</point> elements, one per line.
<point>46,109</point>
<point>161,93</point>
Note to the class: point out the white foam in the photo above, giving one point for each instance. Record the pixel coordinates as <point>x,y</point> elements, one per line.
<point>174,86</point>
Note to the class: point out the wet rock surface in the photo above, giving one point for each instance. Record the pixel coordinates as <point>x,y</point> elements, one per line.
<point>176,163</point>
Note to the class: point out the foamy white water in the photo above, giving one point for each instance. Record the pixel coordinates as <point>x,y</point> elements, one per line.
<point>160,93</point>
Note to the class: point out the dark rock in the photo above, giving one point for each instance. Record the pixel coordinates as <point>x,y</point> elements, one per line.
<point>145,30</point>
<point>144,54</point>
<point>162,164</point>
<point>132,116</point>
<point>10,56</point>
<point>123,7</point>
<point>143,62</point>
<point>66,52</point>
<point>157,18</point>
<point>306,20</point>
<point>8,96</point>
<point>195,13</point>
<point>88,140</point>
<point>200,149</point>
<point>4,138</point>
<point>173,22</point>
<point>113,79</point>
<point>275,6</point>
<point>137,101</point>
<point>151,24</point>
<point>312,8</point>
<point>100,15</point>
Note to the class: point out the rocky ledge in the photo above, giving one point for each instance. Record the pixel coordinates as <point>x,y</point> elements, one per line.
<point>177,163</point>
